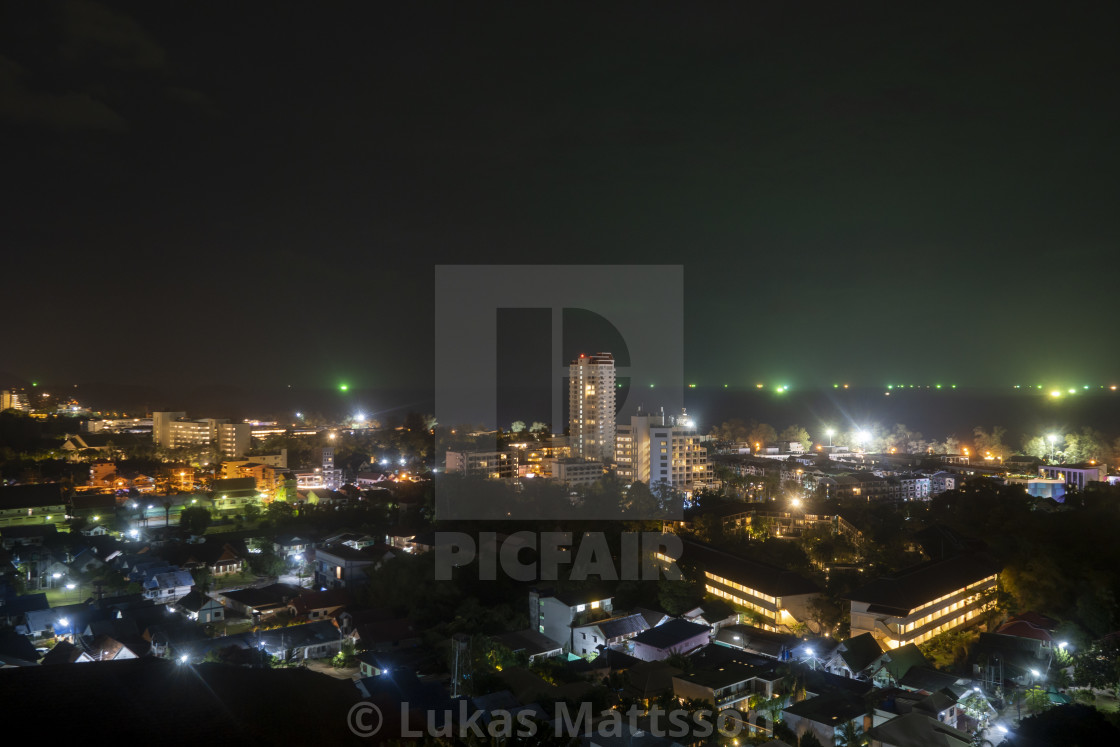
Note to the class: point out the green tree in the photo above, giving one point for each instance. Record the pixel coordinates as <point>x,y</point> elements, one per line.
<point>990,442</point>
<point>761,434</point>
<point>1036,700</point>
<point>252,512</point>
<point>850,735</point>
<point>195,520</point>
<point>798,434</point>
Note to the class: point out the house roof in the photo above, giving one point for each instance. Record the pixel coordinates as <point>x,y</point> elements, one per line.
<point>716,677</point>
<point>1030,625</point>
<point>918,730</point>
<point>234,484</point>
<point>31,496</point>
<point>671,633</point>
<point>1023,629</point>
<point>318,600</point>
<point>29,530</point>
<point>899,661</point>
<point>832,709</point>
<point>529,641</point>
<point>763,577</point>
<point>910,588</point>
<point>937,702</point>
<point>387,631</point>
<point>195,601</point>
<point>171,580</point>
<point>653,617</point>
<point>926,679</point>
<point>63,652</point>
<point>20,605</point>
<point>860,652</point>
<point>16,646</point>
<point>273,595</point>
<point>620,626</point>
<point>368,554</point>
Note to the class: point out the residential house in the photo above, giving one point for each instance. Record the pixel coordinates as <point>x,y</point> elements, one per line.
<point>856,658</point>
<point>674,637</point>
<point>201,608</point>
<point>386,635</point>
<point>556,613</point>
<point>729,684</point>
<point>824,716</point>
<point>920,602</point>
<point>14,608</point>
<point>264,601</point>
<point>290,545</point>
<point>757,641</point>
<point>1031,625</point>
<point>587,639</point>
<point>340,566</point>
<point>318,605</point>
<point>218,556</point>
<point>168,587</point>
<point>234,494</point>
<point>533,644</point>
<point>916,729</point>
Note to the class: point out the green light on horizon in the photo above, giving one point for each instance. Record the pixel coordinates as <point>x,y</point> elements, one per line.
<point>343,387</point>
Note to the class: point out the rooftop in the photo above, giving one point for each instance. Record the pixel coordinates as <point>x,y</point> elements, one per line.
<point>671,633</point>
<point>913,587</point>
<point>763,577</point>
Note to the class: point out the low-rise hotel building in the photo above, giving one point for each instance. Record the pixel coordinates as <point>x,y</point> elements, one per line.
<point>917,603</point>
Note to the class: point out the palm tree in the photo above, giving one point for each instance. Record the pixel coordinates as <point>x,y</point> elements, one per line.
<point>850,736</point>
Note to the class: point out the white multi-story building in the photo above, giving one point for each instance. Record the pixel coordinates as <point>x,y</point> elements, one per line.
<point>654,449</point>
<point>591,403</point>
<point>496,465</point>
<point>172,430</point>
<point>915,604</point>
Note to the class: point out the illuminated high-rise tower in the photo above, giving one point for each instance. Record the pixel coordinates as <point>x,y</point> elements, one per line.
<point>591,392</point>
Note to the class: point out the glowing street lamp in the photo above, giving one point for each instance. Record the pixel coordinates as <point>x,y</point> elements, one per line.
<point>830,434</point>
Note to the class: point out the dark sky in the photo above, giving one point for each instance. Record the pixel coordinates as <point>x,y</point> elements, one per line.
<point>255,194</point>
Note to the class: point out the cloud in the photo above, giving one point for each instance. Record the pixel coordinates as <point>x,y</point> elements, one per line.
<point>66,110</point>
<point>93,32</point>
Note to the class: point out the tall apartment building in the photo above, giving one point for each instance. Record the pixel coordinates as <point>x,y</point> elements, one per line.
<point>655,449</point>
<point>11,399</point>
<point>173,431</point>
<point>591,406</point>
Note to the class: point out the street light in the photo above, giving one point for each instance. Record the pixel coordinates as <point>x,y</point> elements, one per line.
<point>829,433</point>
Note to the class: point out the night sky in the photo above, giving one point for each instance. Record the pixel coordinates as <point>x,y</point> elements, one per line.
<point>255,194</point>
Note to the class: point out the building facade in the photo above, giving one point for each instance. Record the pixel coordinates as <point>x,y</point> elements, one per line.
<point>654,449</point>
<point>591,406</point>
<point>495,465</point>
<point>918,603</point>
